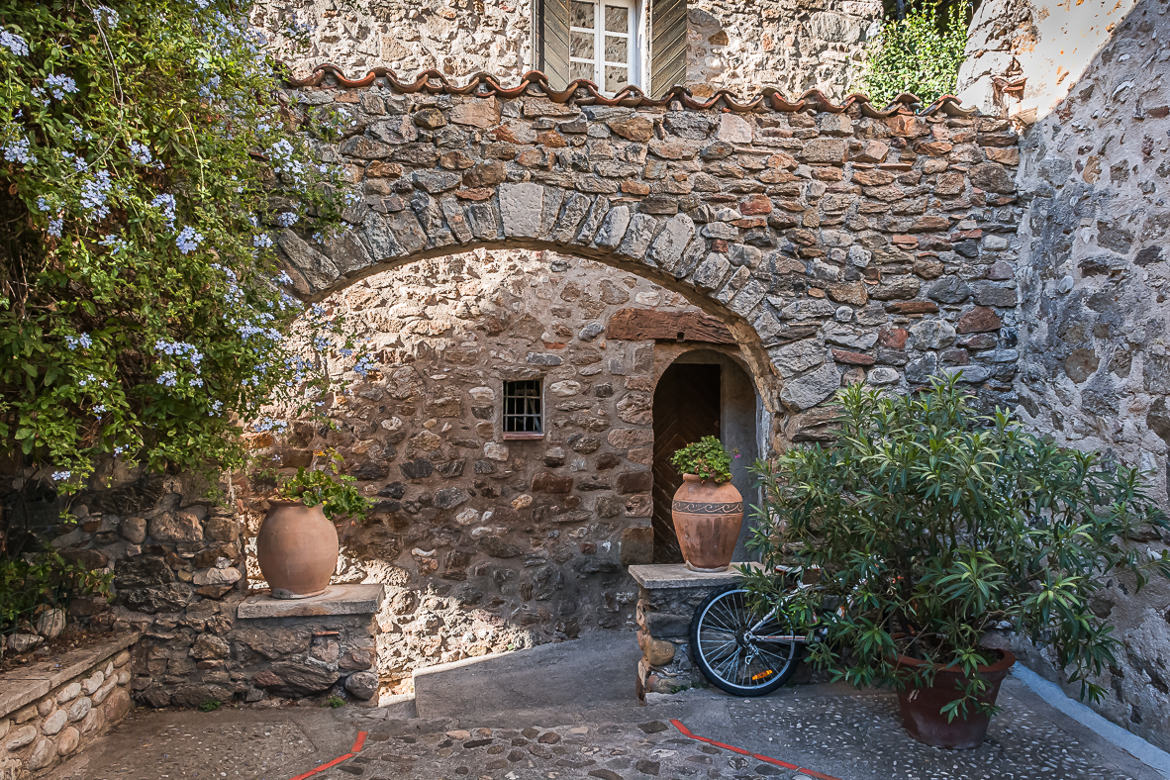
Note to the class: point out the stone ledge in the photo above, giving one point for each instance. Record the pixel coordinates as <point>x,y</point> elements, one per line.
<point>336,600</point>
<point>19,687</point>
<point>657,576</point>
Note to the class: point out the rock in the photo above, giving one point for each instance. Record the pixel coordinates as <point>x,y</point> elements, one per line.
<point>68,741</point>
<point>133,529</point>
<point>633,128</point>
<point>22,643</point>
<point>932,334</point>
<point>979,319</point>
<point>43,754</point>
<point>176,527</point>
<point>882,375</point>
<point>362,685</point>
<point>51,623</point>
<point>20,737</point>
<point>295,678</point>
<point>55,721</point>
<point>214,576</point>
<point>810,389</point>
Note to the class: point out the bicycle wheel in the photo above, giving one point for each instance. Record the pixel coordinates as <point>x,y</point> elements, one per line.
<point>741,652</point>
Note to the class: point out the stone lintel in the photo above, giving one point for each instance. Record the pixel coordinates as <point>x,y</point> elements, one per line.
<point>336,600</point>
<point>658,576</point>
<point>656,325</point>
<point>19,687</point>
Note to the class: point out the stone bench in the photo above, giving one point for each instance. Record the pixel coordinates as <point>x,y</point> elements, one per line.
<point>53,708</point>
<point>305,647</point>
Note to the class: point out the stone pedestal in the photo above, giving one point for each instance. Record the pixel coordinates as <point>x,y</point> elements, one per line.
<point>667,596</point>
<point>313,646</point>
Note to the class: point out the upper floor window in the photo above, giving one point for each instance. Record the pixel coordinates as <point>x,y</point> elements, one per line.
<point>612,43</point>
<point>604,44</point>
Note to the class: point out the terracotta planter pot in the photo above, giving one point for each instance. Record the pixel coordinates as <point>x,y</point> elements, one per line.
<point>296,549</point>
<point>707,518</point>
<point>921,707</point>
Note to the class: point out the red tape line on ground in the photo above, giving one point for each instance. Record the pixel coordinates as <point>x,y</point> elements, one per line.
<point>687,733</point>
<point>353,751</point>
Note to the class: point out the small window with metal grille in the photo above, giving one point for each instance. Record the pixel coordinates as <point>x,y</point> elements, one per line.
<point>523,409</point>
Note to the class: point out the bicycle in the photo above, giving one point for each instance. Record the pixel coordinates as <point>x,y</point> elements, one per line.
<point>741,652</point>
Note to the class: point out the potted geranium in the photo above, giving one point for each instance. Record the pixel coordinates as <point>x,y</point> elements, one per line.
<point>297,544</point>
<point>929,528</point>
<point>707,509</point>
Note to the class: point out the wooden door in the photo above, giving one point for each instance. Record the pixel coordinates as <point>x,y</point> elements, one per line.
<point>686,408</point>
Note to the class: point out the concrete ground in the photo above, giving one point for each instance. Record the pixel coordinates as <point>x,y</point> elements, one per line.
<point>568,711</point>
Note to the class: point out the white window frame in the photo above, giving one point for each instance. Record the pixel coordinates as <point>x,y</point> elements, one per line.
<point>635,64</point>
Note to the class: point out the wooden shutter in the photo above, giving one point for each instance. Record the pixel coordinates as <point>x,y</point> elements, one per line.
<point>553,43</point>
<point>668,44</point>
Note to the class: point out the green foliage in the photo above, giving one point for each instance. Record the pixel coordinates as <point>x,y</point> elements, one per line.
<point>31,583</point>
<point>706,457</point>
<point>930,525</point>
<point>920,53</point>
<point>333,702</point>
<point>334,491</point>
<point>211,705</point>
<point>148,163</point>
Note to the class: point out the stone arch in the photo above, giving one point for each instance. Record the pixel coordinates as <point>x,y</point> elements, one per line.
<point>819,233</point>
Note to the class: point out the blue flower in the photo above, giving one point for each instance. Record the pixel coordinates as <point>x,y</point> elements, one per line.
<point>58,85</point>
<point>141,152</point>
<point>14,43</point>
<point>18,150</point>
<point>83,341</point>
<point>286,218</point>
<point>166,204</point>
<point>55,227</point>
<point>94,193</point>
<point>188,240</point>
<point>115,243</point>
<point>262,241</point>
<point>168,378</point>
<point>58,476</point>
<point>106,16</point>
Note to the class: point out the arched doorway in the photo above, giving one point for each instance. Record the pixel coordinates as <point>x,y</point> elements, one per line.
<point>702,392</point>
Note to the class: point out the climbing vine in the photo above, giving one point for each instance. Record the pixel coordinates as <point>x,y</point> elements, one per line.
<point>149,165</point>
<point>919,53</point>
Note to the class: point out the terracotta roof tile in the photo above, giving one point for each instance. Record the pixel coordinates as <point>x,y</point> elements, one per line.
<point>585,93</point>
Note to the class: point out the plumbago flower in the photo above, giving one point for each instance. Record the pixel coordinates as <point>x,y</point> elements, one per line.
<point>143,311</point>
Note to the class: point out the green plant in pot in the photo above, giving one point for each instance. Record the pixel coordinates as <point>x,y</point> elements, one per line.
<point>926,529</point>
<point>297,544</point>
<point>707,509</point>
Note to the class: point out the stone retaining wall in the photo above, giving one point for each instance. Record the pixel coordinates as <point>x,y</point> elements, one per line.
<point>49,710</point>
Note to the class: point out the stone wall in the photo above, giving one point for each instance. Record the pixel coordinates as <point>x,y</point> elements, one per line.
<point>835,246</point>
<point>792,45</point>
<point>487,544</point>
<point>51,709</point>
<point>1094,273</point>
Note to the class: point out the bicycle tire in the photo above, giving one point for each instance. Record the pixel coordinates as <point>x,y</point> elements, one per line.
<point>723,615</point>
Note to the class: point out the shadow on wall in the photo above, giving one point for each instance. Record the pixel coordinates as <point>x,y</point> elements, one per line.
<point>1094,274</point>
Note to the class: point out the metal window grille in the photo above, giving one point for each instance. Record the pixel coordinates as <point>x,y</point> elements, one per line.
<point>523,410</point>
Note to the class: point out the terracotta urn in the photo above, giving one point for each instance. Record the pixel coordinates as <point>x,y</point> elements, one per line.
<point>921,708</point>
<point>296,549</point>
<point>707,518</point>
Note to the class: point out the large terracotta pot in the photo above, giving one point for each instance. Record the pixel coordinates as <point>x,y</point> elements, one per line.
<point>921,707</point>
<point>296,549</point>
<point>707,518</point>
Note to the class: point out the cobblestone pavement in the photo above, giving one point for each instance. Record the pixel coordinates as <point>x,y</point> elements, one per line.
<point>535,715</point>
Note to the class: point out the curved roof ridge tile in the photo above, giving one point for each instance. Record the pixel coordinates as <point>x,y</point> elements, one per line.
<point>586,93</point>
